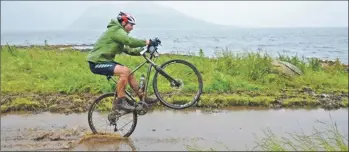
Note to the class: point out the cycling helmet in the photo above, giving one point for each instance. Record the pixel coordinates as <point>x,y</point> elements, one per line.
<point>128,18</point>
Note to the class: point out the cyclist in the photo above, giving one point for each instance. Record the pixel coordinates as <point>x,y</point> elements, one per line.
<point>113,41</point>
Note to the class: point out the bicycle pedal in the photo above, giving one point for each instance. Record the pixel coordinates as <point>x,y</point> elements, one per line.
<point>112,124</point>
<point>115,129</point>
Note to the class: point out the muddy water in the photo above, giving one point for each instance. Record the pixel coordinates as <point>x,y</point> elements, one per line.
<point>163,129</point>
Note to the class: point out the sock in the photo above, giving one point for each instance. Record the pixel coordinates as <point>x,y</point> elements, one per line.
<point>119,100</point>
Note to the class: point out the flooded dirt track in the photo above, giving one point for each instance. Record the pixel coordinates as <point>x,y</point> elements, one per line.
<point>162,130</point>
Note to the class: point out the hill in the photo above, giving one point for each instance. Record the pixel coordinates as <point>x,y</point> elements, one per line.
<point>148,16</point>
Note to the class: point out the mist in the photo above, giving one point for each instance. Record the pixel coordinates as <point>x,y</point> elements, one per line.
<point>58,15</point>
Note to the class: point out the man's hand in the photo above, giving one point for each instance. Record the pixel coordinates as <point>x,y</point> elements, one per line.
<point>154,42</point>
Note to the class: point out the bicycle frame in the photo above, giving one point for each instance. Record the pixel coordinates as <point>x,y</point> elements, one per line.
<point>151,64</point>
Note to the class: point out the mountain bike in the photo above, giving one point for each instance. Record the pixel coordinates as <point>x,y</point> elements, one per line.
<point>164,77</point>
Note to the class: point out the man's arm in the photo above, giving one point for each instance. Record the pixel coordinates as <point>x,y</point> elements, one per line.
<point>133,51</point>
<point>123,38</point>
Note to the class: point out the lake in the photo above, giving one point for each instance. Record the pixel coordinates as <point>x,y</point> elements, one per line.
<point>323,43</point>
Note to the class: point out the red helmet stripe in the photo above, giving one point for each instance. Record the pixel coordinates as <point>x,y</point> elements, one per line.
<point>124,18</point>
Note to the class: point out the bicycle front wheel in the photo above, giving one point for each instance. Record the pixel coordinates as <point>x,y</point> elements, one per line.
<point>184,95</point>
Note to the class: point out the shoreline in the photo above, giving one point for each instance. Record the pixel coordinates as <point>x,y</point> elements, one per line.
<point>79,103</point>
<point>84,48</point>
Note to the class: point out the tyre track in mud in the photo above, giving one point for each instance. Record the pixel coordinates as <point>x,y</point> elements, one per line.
<point>40,138</point>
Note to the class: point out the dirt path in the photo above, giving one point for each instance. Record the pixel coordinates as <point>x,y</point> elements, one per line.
<point>161,130</point>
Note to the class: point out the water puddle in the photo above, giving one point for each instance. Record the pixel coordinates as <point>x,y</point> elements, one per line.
<point>235,129</point>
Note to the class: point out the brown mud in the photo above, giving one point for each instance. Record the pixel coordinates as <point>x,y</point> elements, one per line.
<point>78,103</point>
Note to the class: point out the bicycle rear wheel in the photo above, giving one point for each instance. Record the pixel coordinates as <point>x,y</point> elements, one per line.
<point>184,95</point>
<point>98,117</point>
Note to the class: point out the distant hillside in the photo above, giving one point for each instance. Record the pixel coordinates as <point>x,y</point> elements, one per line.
<point>148,16</point>
<point>25,16</point>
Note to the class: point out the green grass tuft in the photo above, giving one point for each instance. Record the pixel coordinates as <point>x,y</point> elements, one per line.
<point>21,104</point>
<point>327,138</point>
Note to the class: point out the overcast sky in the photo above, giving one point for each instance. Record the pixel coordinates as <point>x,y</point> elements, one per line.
<point>239,13</point>
<point>267,13</point>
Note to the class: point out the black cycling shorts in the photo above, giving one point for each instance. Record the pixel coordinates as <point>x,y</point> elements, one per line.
<point>105,68</point>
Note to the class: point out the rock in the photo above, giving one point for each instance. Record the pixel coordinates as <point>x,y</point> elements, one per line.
<point>68,145</point>
<point>78,102</point>
<point>55,137</point>
<point>275,106</point>
<point>328,103</point>
<point>337,98</point>
<point>324,96</point>
<point>279,101</point>
<point>309,91</point>
<point>285,68</point>
<point>42,136</point>
<point>55,108</point>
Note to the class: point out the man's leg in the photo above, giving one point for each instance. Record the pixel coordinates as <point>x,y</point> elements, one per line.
<point>123,73</point>
<point>134,85</point>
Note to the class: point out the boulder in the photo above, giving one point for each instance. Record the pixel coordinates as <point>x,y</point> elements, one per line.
<point>285,68</point>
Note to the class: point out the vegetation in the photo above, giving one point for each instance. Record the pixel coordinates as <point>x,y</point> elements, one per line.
<point>327,138</point>
<point>229,79</point>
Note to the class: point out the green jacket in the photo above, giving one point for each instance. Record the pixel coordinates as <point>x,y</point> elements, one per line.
<point>115,40</point>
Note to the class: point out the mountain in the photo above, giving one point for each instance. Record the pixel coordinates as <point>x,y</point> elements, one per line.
<point>22,16</point>
<point>148,15</point>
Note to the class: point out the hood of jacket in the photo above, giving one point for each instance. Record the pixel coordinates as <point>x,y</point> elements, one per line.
<point>115,23</point>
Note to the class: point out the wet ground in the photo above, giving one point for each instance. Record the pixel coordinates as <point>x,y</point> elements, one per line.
<point>163,129</point>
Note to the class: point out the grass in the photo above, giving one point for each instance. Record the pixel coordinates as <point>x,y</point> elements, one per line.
<point>20,104</point>
<point>328,138</point>
<point>325,138</point>
<point>243,79</point>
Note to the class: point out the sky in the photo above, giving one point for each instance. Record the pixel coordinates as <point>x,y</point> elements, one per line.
<point>267,13</point>
<point>236,13</point>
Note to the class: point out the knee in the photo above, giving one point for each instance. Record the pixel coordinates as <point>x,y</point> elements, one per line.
<point>126,71</point>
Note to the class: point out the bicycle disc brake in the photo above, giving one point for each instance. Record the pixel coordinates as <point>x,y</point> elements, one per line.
<point>177,86</point>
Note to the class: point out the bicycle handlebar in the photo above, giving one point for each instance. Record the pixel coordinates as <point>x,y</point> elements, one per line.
<point>152,47</point>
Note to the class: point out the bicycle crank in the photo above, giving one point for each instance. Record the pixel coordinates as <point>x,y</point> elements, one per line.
<point>144,109</point>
